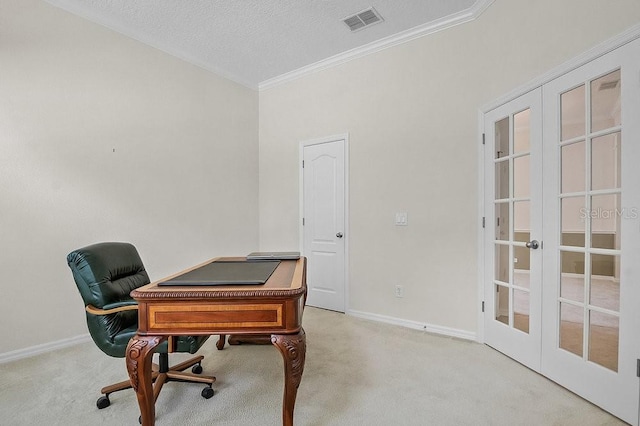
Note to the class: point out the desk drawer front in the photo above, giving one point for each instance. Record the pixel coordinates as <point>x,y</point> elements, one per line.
<point>206,316</point>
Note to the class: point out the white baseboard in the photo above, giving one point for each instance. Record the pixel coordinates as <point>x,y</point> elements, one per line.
<point>445,331</point>
<point>45,347</point>
<point>59,344</point>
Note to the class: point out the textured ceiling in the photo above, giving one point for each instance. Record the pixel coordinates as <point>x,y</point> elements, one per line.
<point>255,42</point>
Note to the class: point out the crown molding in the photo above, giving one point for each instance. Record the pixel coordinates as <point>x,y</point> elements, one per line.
<point>627,36</point>
<point>411,34</point>
<point>446,22</point>
<point>89,14</point>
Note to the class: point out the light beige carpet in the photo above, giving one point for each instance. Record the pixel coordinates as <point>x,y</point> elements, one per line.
<point>357,373</point>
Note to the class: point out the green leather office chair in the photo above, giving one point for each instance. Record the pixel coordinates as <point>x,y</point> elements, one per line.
<point>105,274</point>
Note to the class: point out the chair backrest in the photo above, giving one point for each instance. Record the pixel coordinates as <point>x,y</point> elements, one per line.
<point>105,273</point>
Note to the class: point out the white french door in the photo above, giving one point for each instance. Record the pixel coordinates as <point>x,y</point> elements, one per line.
<point>513,219</point>
<point>575,318</point>
<point>591,342</point>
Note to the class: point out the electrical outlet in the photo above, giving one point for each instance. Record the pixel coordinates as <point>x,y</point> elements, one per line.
<point>399,291</point>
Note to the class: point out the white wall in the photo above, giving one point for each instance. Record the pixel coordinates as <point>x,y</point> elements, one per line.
<point>181,184</point>
<point>412,116</point>
<point>71,92</point>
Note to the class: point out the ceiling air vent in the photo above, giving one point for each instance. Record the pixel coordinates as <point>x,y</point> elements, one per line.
<point>363,19</point>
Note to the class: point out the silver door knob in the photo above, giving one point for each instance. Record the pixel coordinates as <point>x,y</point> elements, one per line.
<point>533,244</point>
<point>339,235</point>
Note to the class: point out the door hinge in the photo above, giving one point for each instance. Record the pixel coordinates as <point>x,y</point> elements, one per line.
<point>483,221</point>
<point>303,221</point>
<point>638,368</point>
<point>303,164</point>
<point>483,140</point>
<point>483,306</point>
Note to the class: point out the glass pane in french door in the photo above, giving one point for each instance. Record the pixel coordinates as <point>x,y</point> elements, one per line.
<point>512,201</point>
<point>589,199</point>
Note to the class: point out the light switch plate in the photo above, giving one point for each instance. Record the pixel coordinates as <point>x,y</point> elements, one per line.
<point>402,219</point>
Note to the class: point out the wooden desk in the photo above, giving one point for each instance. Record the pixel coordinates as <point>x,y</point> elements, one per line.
<point>274,308</point>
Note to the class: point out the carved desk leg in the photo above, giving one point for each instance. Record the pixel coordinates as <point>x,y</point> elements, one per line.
<point>293,348</point>
<point>221,341</point>
<point>139,360</point>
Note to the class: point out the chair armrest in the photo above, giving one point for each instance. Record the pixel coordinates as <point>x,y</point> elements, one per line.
<point>113,308</point>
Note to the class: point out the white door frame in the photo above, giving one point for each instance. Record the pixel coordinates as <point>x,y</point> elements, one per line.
<point>601,49</point>
<point>334,138</point>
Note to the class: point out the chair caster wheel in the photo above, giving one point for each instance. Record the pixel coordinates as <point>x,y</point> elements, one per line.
<point>103,402</point>
<point>207,392</point>
<point>197,369</point>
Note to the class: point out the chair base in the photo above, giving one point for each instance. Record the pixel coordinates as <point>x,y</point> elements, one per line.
<point>162,374</point>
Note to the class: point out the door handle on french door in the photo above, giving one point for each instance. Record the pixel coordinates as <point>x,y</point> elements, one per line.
<point>533,244</point>
<point>339,235</point>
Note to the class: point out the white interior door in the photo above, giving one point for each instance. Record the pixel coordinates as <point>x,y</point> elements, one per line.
<point>583,206</point>
<point>591,296</point>
<point>513,218</point>
<point>324,221</point>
